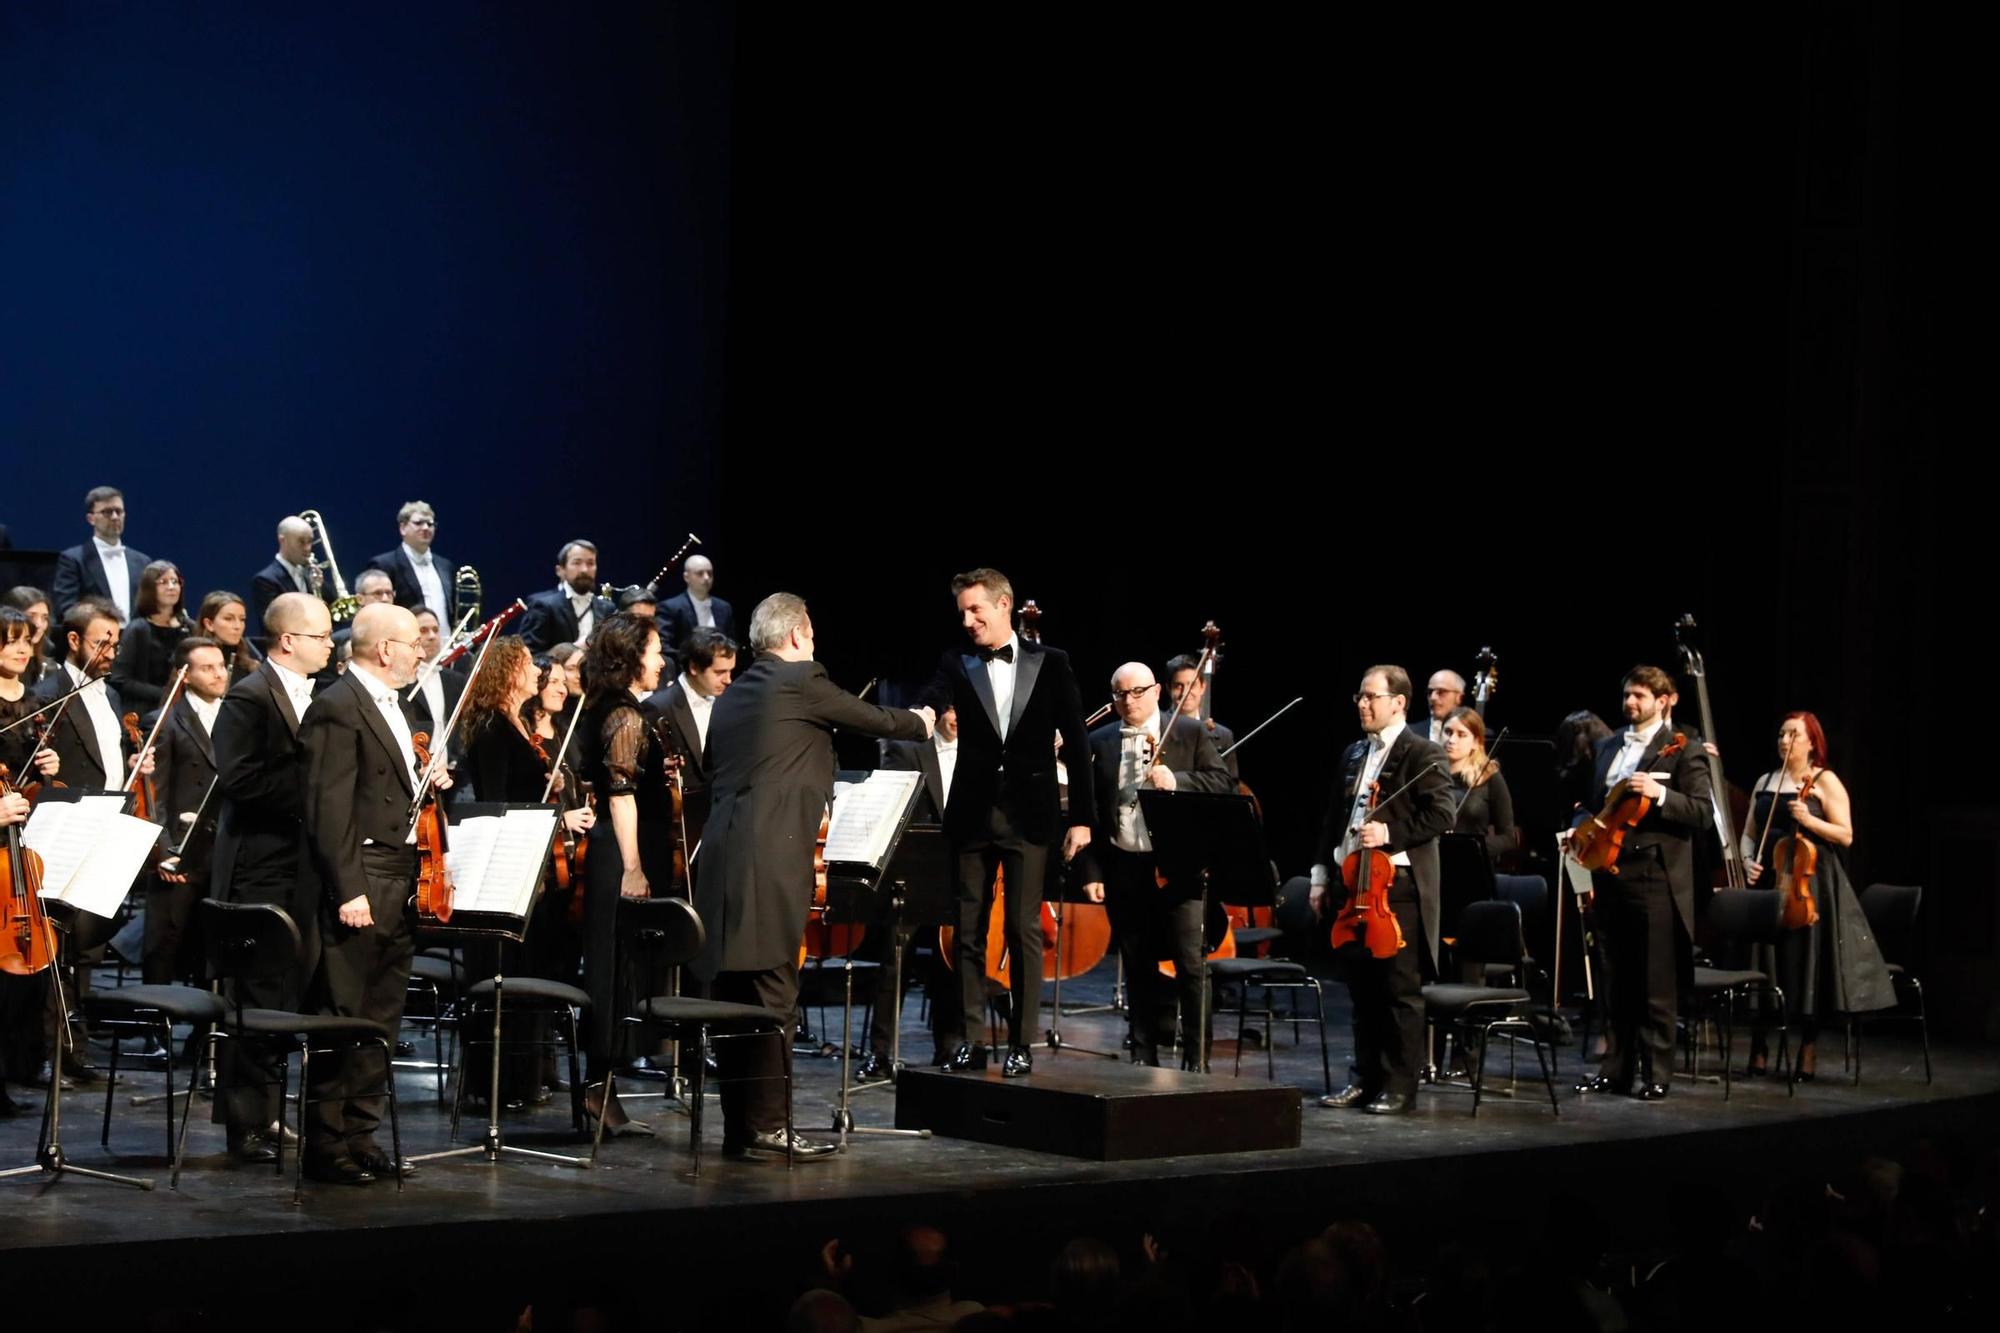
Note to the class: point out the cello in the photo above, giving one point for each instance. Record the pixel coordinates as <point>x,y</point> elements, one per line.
<point>1366,917</point>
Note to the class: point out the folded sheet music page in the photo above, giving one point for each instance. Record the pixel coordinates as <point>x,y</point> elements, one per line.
<point>866,815</point>
<point>91,850</point>
<point>496,860</point>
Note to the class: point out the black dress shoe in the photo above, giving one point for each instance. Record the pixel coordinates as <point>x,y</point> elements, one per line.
<point>253,1150</point>
<point>771,1143</point>
<point>963,1059</point>
<point>80,1073</point>
<point>1352,1095</point>
<point>1603,1083</point>
<point>378,1163</point>
<point>871,1068</point>
<point>280,1132</point>
<point>1651,1092</point>
<point>405,1049</point>
<point>1390,1103</point>
<point>339,1171</point>
<point>1020,1063</point>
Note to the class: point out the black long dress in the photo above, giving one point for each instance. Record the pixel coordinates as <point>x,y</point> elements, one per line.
<point>1833,966</point>
<point>1486,811</point>
<point>145,662</point>
<point>22,999</point>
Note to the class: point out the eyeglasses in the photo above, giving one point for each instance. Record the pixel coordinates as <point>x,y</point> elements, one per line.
<point>300,634</point>
<point>412,644</point>
<point>1372,698</point>
<point>423,522</point>
<point>1120,696</point>
<point>107,513</point>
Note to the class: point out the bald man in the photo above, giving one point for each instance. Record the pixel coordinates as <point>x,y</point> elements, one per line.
<point>1118,868</point>
<point>1446,692</point>
<point>697,607</point>
<point>290,570</point>
<point>361,775</point>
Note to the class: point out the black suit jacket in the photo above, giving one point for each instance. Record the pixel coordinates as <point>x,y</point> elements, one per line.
<point>1415,819</point>
<point>677,621</point>
<point>74,739</point>
<point>919,757</point>
<point>358,788</point>
<point>260,799</point>
<point>550,620</point>
<point>184,766</point>
<point>1189,754</point>
<point>272,582</point>
<point>80,574</point>
<point>1662,844</point>
<point>1022,769</point>
<point>770,757</point>
<point>403,575</point>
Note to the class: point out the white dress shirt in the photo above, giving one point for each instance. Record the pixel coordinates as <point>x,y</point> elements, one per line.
<point>117,575</point>
<point>103,724</point>
<point>433,692</point>
<point>1001,676</point>
<point>298,573</point>
<point>1632,751</point>
<point>399,726</point>
<point>947,757</point>
<point>704,614</point>
<point>1135,753</point>
<point>581,605</point>
<point>298,689</point>
<point>701,705</point>
<point>1379,745</point>
<point>204,710</point>
<point>428,580</point>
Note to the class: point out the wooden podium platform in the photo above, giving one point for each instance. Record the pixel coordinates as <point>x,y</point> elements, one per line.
<point>1082,1106</point>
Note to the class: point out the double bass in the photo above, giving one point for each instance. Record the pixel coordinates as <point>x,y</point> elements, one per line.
<point>1736,877</point>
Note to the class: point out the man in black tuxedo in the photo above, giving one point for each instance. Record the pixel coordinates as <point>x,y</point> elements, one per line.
<point>88,736</point>
<point>1184,683</point>
<point>440,690</point>
<point>104,566</point>
<point>696,608</point>
<point>1013,699</point>
<point>568,612</point>
<point>259,840</point>
<point>688,706</point>
<point>1118,867</point>
<point>420,575</point>
<point>361,776</point>
<point>290,570</point>
<point>1645,913</point>
<point>770,754</point>
<point>1409,773</point>
<point>185,754</point>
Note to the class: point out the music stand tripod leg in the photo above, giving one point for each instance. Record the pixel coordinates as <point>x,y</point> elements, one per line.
<point>843,1118</point>
<point>1054,1037</point>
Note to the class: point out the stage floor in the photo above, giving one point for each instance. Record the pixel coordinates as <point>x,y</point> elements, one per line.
<point>641,1195</point>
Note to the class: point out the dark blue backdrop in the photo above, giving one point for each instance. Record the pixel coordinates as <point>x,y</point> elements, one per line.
<point>262,258</point>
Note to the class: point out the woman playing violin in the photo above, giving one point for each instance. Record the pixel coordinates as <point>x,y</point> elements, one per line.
<point>1485,805</point>
<point>21,998</point>
<point>1832,965</point>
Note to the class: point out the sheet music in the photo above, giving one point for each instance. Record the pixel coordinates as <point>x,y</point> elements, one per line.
<point>91,850</point>
<point>865,816</point>
<point>496,860</point>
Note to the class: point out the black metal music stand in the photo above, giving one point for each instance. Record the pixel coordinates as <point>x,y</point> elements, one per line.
<point>921,891</point>
<point>1065,894</point>
<point>1217,837</point>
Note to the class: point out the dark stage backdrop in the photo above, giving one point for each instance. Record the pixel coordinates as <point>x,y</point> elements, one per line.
<point>264,258</point>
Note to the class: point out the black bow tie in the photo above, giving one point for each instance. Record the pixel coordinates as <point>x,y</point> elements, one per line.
<point>1005,652</point>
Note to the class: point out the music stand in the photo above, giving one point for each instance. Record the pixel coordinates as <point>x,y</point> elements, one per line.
<point>1059,908</point>
<point>921,890</point>
<point>470,924</point>
<point>1217,837</point>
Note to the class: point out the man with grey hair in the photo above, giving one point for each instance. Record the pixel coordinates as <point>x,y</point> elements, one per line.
<point>770,760</point>
<point>290,570</point>
<point>1447,691</point>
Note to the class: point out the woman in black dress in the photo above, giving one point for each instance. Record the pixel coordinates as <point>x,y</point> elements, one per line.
<point>34,604</point>
<point>1485,806</point>
<point>146,652</point>
<point>224,618</point>
<point>1834,965</point>
<point>631,846</point>
<point>22,999</point>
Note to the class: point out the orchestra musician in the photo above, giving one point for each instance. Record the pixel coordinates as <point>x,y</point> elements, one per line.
<point>568,612</point>
<point>1152,920</point>
<point>1013,698</point>
<point>103,566</point>
<point>361,775</point>
<point>1185,684</point>
<point>1479,790</point>
<point>696,608</point>
<point>184,752</point>
<point>1645,913</point>
<point>420,575</point>
<point>33,604</point>
<point>1445,692</point>
<point>770,751</point>
<point>223,617</point>
<point>1408,773</point>
<point>708,665</point>
<point>259,830</point>
<point>441,687</point>
<point>290,570</point>
<point>146,652</point>
<point>22,999</point>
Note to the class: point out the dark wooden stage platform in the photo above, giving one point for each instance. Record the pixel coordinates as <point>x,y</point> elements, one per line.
<point>639,1223</point>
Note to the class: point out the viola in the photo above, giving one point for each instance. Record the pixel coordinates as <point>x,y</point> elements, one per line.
<point>433,893</point>
<point>1796,859</point>
<point>27,936</point>
<point>1597,841</point>
<point>1366,917</point>
<point>144,798</point>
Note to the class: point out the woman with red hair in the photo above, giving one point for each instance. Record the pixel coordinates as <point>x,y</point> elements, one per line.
<point>1833,965</point>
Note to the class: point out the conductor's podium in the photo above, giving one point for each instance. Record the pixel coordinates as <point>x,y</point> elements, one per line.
<point>1084,1106</point>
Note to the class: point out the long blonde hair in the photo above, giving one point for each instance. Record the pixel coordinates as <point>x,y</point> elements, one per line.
<point>1475,768</point>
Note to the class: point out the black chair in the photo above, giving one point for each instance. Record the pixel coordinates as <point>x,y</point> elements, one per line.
<point>1488,933</point>
<point>260,942</point>
<point>124,1012</point>
<point>668,932</point>
<point>1741,918</point>
<point>439,978</point>
<point>508,994</point>
<point>1892,910</point>
<point>1268,975</point>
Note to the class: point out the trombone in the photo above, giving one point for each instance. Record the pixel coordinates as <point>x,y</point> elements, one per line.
<point>344,602</point>
<point>466,591</point>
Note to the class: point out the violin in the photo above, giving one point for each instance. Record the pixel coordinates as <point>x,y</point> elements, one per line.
<point>1796,859</point>
<point>27,936</point>
<point>1597,841</point>
<point>144,798</point>
<point>675,761</point>
<point>825,939</point>
<point>433,893</point>
<point>1366,917</point>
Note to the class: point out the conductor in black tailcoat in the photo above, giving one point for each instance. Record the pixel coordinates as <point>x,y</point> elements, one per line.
<point>1013,698</point>
<point>770,760</point>
<point>1416,806</point>
<point>260,841</point>
<point>1644,914</point>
